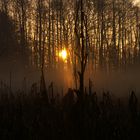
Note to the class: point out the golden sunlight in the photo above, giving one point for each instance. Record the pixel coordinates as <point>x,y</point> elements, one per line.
<point>63,54</point>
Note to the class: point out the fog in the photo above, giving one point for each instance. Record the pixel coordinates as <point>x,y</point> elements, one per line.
<point>120,83</point>
<point>19,75</point>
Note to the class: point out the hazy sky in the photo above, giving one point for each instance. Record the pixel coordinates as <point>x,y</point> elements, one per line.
<point>137,2</point>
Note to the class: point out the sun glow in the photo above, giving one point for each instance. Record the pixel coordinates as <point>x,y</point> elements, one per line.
<point>63,54</point>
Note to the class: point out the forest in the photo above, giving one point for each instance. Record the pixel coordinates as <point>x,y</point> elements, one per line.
<point>57,50</point>
<point>105,32</point>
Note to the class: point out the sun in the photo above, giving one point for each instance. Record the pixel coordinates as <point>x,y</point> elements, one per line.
<point>63,54</point>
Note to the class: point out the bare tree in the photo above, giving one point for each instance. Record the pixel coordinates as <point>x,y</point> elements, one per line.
<point>80,32</point>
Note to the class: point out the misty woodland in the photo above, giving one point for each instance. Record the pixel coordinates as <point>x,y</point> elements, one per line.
<point>71,38</point>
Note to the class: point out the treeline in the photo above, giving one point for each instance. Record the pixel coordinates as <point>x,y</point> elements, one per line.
<point>111,29</point>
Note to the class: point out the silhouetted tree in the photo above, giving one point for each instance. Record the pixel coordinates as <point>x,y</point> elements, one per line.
<point>8,35</point>
<point>133,104</point>
<point>81,44</point>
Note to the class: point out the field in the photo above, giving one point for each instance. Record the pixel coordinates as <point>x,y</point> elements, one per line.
<point>36,115</point>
